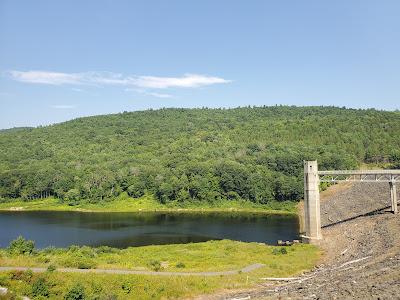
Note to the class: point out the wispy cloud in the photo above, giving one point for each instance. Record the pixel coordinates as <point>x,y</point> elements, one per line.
<point>148,93</point>
<point>63,106</point>
<point>159,95</point>
<point>116,79</point>
<point>44,77</point>
<point>186,81</point>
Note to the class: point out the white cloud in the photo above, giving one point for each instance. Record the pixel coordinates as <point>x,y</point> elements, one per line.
<point>53,78</point>
<point>145,92</point>
<point>187,81</point>
<point>158,95</point>
<point>63,106</point>
<point>116,79</point>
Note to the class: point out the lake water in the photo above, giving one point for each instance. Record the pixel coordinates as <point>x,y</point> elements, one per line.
<point>62,229</point>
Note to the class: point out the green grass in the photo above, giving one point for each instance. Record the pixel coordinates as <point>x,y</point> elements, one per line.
<point>125,203</point>
<point>208,256</point>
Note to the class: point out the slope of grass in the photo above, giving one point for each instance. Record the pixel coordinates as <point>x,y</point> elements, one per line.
<point>125,203</point>
<point>208,256</point>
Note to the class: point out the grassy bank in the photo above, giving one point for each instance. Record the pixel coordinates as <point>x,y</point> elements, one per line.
<point>208,256</point>
<point>124,203</point>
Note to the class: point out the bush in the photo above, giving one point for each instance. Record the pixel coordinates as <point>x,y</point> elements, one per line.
<point>4,279</point>
<point>105,249</point>
<point>21,275</point>
<point>40,288</point>
<point>180,265</point>
<point>277,251</point>
<point>51,268</point>
<point>72,197</point>
<point>21,246</point>
<point>80,257</point>
<point>136,190</point>
<point>77,292</point>
<point>73,248</point>
<point>43,259</point>
<point>79,261</point>
<point>50,250</point>
<point>126,287</point>
<point>155,265</point>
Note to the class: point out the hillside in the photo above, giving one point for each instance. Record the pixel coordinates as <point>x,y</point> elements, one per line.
<point>192,155</point>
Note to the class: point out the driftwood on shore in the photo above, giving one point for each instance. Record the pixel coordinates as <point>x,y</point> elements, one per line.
<point>287,243</point>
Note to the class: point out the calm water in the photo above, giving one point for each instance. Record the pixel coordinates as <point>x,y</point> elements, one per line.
<point>121,230</point>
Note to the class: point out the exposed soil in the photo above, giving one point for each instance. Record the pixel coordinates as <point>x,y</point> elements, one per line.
<point>361,246</point>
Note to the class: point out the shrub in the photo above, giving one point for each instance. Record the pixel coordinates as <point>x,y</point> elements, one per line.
<point>73,248</point>
<point>4,279</point>
<point>180,265</point>
<point>105,249</point>
<point>40,288</point>
<point>88,251</point>
<point>96,289</point>
<point>43,259</point>
<point>21,246</point>
<point>277,251</point>
<point>21,275</point>
<point>50,250</point>
<point>126,287</point>
<point>77,292</point>
<point>79,261</point>
<point>80,257</point>
<point>17,275</point>
<point>155,265</point>
<point>72,197</point>
<point>51,268</point>
<point>136,190</point>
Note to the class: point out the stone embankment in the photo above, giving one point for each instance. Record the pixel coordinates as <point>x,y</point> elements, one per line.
<point>361,250</point>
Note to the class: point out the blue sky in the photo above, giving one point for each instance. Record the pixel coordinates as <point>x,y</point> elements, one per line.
<point>64,59</point>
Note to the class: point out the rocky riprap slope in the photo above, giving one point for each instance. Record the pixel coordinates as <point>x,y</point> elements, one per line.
<point>361,249</point>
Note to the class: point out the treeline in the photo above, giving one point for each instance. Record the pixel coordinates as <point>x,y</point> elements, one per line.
<point>192,154</point>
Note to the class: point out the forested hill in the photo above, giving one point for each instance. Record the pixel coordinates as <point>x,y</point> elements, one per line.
<point>192,154</point>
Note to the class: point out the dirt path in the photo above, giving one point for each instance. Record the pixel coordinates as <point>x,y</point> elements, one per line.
<point>361,249</point>
<point>246,269</point>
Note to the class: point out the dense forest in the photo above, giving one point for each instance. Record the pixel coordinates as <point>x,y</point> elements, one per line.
<point>183,155</point>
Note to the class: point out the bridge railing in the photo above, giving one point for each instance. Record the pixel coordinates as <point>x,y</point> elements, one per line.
<point>360,175</point>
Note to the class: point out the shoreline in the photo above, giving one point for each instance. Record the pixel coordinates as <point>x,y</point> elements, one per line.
<point>149,205</point>
<point>167,210</point>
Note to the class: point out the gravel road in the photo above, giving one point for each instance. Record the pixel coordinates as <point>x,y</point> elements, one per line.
<point>246,269</point>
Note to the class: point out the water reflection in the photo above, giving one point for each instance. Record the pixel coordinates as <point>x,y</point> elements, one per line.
<point>121,230</point>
